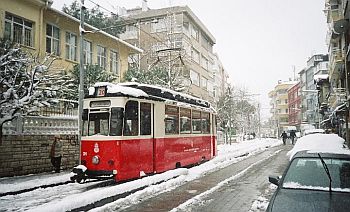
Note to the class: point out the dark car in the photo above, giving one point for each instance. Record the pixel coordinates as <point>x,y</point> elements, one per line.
<point>313,182</point>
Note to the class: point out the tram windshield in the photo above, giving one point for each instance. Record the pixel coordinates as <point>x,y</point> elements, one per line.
<point>108,122</point>
<point>98,123</point>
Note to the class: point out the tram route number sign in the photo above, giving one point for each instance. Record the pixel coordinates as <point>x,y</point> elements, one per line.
<point>101,91</point>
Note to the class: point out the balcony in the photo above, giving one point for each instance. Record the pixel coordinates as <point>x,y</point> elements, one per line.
<point>337,97</point>
<point>336,62</point>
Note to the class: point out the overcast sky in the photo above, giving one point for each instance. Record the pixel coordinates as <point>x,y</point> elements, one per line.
<point>258,41</point>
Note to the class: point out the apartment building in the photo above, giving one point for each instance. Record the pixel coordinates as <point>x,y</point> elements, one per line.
<point>334,109</point>
<point>316,65</point>
<point>294,104</point>
<point>279,106</point>
<point>177,40</point>
<point>47,31</point>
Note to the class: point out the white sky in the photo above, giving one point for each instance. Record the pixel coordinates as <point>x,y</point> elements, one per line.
<point>258,41</point>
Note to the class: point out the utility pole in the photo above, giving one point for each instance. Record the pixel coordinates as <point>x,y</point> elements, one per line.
<point>81,76</point>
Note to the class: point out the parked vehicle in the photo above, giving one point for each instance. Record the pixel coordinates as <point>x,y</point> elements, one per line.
<point>313,131</point>
<point>132,130</point>
<point>317,177</point>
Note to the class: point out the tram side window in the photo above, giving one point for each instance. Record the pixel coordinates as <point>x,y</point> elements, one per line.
<point>145,118</point>
<point>116,121</point>
<point>98,123</point>
<point>196,122</point>
<point>214,123</point>
<point>205,122</point>
<point>185,121</point>
<point>85,122</point>
<point>171,120</point>
<point>131,119</point>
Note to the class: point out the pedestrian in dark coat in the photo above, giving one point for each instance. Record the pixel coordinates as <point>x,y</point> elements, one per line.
<point>292,136</point>
<point>56,153</point>
<point>284,137</point>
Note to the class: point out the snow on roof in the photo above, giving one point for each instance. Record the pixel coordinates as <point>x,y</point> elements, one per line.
<point>97,30</point>
<point>318,77</point>
<point>325,143</point>
<point>115,88</point>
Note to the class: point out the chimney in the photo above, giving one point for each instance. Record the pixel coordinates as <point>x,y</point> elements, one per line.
<point>144,5</point>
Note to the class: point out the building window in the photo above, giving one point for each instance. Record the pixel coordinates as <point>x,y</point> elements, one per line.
<point>101,56</point>
<point>87,52</point>
<point>205,42</point>
<point>71,46</point>
<point>159,25</point>
<point>52,39</point>
<point>18,30</point>
<point>204,83</point>
<point>286,101</point>
<point>195,32</point>
<point>205,63</point>
<point>194,77</point>
<point>114,62</point>
<point>195,55</point>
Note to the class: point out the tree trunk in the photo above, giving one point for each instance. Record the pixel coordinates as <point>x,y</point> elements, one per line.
<point>1,134</point>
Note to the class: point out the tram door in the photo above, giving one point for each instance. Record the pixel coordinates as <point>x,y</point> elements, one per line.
<point>146,133</point>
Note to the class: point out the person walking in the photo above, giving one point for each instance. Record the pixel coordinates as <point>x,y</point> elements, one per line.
<point>292,136</point>
<point>56,153</point>
<point>284,137</point>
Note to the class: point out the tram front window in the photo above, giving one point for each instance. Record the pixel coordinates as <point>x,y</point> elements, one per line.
<point>98,123</point>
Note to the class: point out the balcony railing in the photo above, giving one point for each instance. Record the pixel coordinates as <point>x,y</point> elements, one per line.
<point>336,59</point>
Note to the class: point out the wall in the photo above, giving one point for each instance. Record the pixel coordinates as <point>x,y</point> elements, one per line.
<point>29,154</point>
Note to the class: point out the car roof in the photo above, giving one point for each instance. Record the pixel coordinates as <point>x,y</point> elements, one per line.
<point>323,143</point>
<point>314,154</point>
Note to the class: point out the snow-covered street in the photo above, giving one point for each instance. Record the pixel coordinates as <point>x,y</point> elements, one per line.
<point>73,196</point>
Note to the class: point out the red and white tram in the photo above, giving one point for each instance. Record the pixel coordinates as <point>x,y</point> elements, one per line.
<point>131,130</point>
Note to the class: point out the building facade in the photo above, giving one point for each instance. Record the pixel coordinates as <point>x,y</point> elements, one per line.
<point>294,104</point>
<point>317,64</point>
<point>44,31</point>
<point>174,38</point>
<point>47,31</point>
<point>279,106</point>
<point>335,107</point>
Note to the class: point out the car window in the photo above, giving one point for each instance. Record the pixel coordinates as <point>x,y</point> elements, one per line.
<point>308,173</point>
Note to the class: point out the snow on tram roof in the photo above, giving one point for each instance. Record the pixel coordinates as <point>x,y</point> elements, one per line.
<point>145,90</point>
<point>116,88</point>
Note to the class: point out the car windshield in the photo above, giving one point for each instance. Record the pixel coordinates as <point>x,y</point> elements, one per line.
<point>308,173</point>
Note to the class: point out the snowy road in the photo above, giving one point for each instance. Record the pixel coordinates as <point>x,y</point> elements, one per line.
<point>73,196</point>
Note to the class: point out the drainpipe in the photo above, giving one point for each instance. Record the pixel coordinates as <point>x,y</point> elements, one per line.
<point>48,4</point>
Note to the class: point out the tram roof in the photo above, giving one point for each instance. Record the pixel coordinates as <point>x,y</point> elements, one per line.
<point>133,89</point>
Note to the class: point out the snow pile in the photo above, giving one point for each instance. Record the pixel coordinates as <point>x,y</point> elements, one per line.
<point>18,183</point>
<point>325,143</point>
<point>78,200</point>
<point>260,204</point>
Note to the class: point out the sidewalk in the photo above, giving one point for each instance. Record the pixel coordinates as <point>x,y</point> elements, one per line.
<point>12,184</point>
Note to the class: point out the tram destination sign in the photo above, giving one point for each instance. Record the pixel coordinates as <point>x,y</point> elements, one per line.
<point>105,103</point>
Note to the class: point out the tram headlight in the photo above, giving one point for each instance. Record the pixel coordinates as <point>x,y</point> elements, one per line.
<point>95,159</point>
